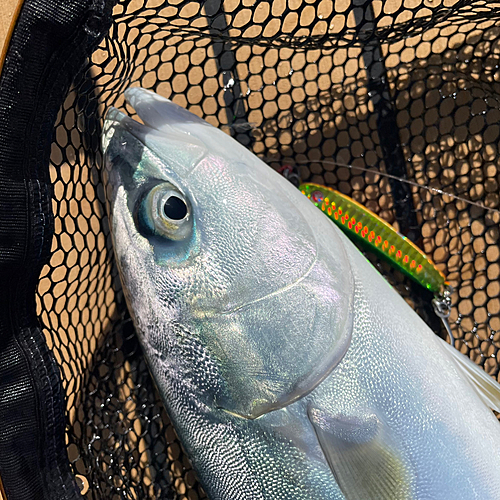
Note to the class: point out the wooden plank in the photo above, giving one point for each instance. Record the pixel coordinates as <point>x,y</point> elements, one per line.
<point>9,11</point>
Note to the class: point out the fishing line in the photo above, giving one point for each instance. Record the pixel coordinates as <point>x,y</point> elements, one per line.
<point>385,174</point>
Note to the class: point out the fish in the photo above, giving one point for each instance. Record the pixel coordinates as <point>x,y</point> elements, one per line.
<point>289,367</point>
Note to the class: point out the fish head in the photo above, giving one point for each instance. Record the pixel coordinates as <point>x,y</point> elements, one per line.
<point>222,268</point>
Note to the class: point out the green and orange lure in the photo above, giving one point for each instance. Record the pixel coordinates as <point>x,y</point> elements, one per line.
<point>362,225</point>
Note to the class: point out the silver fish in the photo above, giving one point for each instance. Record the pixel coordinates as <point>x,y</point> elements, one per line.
<point>290,368</point>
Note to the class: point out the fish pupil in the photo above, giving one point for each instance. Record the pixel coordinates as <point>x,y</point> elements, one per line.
<point>175,208</point>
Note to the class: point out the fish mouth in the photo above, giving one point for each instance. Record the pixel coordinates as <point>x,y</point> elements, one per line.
<point>116,119</point>
<point>159,115</point>
<point>167,137</point>
<point>158,112</point>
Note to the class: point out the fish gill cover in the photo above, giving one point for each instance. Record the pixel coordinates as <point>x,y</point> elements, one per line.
<point>406,88</point>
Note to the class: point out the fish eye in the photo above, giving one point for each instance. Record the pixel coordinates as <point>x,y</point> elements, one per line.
<point>165,211</point>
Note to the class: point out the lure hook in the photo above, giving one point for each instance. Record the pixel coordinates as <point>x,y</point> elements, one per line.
<point>442,307</point>
<point>290,173</point>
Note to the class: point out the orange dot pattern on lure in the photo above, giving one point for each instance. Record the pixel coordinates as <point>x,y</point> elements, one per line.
<point>362,225</point>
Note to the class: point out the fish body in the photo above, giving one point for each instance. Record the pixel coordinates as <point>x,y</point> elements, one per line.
<point>290,368</point>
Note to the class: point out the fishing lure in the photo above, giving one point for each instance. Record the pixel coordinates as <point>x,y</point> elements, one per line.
<point>365,227</point>
<point>362,225</point>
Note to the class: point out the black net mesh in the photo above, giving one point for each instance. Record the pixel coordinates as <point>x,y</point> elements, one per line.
<point>321,85</point>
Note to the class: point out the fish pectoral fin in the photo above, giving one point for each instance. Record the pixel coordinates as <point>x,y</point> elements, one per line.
<point>486,387</point>
<point>361,456</point>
